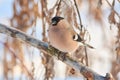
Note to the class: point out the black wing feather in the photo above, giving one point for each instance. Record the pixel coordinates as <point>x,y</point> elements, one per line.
<point>79,39</point>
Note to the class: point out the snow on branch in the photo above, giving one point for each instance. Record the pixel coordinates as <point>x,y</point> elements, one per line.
<point>84,70</point>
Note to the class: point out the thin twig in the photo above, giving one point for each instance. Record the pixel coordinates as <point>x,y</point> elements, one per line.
<point>29,74</point>
<point>81,29</point>
<point>58,7</point>
<point>86,56</point>
<point>78,14</point>
<point>43,20</point>
<point>113,8</point>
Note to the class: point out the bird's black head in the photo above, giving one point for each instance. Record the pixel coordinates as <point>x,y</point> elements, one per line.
<point>56,19</point>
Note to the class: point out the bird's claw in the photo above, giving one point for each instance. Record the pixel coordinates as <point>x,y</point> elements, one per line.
<point>62,55</point>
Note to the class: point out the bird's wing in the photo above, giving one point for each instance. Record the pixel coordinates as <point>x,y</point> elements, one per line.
<point>75,36</point>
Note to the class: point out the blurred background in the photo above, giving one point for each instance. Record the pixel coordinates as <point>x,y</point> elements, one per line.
<point>99,26</point>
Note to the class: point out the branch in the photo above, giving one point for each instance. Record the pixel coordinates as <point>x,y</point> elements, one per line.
<point>113,8</point>
<point>85,71</point>
<point>78,15</point>
<point>58,8</point>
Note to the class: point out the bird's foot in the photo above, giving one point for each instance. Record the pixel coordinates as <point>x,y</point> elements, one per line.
<point>62,55</point>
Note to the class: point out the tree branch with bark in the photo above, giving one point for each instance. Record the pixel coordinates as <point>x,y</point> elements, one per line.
<point>46,48</point>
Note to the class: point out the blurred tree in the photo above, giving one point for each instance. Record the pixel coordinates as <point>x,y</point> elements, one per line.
<point>25,16</point>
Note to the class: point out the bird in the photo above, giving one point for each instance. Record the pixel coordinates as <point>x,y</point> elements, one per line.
<point>63,37</point>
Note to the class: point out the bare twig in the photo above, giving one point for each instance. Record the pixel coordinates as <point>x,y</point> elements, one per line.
<point>58,8</point>
<point>84,70</point>
<point>43,2</point>
<point>22,64</point>
<point>78,14</point>
<point>86,56</point>
<point>113,8</point>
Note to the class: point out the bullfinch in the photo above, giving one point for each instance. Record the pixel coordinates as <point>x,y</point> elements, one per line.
<point>63,37</point>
